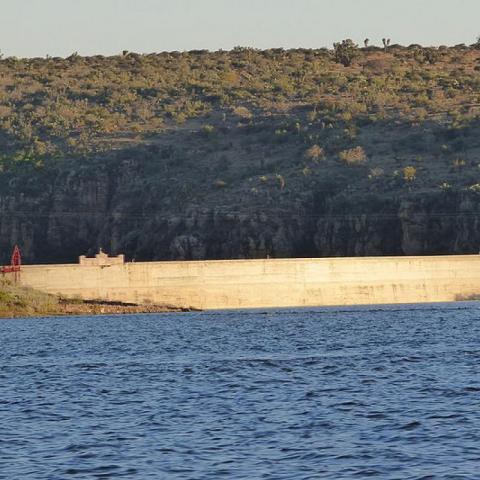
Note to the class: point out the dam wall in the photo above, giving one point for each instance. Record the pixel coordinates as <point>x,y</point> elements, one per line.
<point>213,285</point>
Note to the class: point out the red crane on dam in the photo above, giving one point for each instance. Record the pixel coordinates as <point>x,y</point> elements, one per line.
<point>15,263</point>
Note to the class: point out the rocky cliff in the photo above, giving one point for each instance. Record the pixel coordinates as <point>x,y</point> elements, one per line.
<point>76,212</point>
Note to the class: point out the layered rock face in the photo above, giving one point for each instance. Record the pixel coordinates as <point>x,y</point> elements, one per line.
<point>78,212</point>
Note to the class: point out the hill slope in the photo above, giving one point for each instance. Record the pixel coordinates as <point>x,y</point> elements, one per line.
<point>241,154</point>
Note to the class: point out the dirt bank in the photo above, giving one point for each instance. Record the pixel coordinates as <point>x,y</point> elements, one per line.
<point>18,302</point>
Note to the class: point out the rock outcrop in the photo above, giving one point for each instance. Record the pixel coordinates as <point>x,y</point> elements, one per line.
<point>76,213</point>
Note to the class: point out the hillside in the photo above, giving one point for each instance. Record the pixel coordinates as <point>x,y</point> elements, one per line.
<point>241,154</point>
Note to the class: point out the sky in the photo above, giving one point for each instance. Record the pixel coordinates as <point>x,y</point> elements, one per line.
<point>30,28</point>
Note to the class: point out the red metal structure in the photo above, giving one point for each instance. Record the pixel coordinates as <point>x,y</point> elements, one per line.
<point>15,263</point>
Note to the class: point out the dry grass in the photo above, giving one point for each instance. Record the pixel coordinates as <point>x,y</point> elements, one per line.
<point>19,301</point>
<point>353,156</point>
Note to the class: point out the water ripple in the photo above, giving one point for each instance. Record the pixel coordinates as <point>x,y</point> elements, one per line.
<point>383,392</point>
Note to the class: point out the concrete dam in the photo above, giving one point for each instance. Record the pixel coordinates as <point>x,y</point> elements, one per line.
<point>269,283</point>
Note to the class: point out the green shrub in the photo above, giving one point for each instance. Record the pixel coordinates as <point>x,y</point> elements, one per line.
<point>281,181</point>
<point>208,129</point>
<point>6,298</point>
<point>345,52</point>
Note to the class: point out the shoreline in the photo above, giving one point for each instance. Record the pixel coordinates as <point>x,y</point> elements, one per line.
<point>90,308</point>
<point>21,302</point>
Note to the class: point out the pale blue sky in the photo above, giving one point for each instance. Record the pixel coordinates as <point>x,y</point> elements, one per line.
<point>60,27</point>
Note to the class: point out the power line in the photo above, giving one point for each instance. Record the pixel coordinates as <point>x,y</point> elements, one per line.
<point>269,213</point>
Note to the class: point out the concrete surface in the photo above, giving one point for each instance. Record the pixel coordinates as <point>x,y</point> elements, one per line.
<point>212,285</point>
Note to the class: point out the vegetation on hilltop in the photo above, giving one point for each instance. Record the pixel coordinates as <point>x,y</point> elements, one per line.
<point>174,155</point>
<point>50,107</point>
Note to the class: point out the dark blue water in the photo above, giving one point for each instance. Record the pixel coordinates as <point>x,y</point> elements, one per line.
<point>390,393</point>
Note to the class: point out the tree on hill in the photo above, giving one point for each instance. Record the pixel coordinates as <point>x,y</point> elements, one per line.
<point>345,52</point>
<point>386,43</point>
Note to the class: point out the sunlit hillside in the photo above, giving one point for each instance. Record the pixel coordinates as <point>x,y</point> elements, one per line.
<point>349,151</point>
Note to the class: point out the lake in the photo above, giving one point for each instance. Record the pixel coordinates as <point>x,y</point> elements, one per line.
<point>366,392</point>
